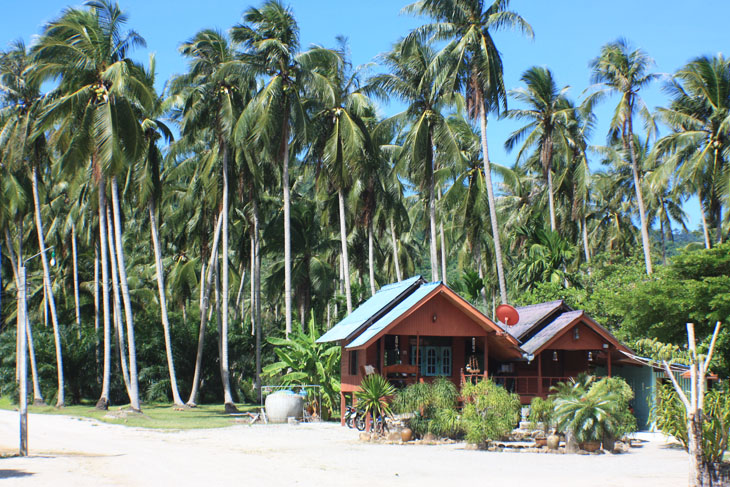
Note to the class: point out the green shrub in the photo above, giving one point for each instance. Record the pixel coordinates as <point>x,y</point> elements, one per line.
<point>373,395</point>
<point>433,406</point>
<point>624,418</point>
<point>589,417</point>
<point>542,411</point>
<point>490,411</point>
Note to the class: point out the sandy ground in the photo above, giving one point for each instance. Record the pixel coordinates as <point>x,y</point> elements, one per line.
<point>82,452</point>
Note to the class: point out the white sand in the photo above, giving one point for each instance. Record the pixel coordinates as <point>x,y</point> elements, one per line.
<point>80,452</point>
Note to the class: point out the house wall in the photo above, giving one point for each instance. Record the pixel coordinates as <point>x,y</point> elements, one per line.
<point>450,321</point>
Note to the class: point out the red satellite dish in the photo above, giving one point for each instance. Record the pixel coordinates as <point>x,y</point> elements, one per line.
<point>507,314</point>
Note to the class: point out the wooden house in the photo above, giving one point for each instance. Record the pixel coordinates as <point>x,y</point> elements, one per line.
<point>415,331</point>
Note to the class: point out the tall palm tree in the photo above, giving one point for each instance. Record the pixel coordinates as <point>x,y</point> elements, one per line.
<point>699,116</point>
<point>341,138</point>
<point>619,69</point>
<point>467,26</point>
<point>94,108</point>
<point>269,39</point>
<point>548,112</point>
<point>211,97</point>
<point>24,144</point>
<point>411,82</point>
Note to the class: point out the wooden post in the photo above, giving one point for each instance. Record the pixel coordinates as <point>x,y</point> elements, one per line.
<point>343,408</point>
<point>609,360</point>
<point>418,357</point>
<point>486,355</point>
<point>381,365</point>
<point>539,375</point>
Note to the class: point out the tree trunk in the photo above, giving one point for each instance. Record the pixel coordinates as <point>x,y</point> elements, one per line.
<point>371,257</point>
<point>103,402</point>
<point>492,202</point>
<point>432,214</point>
<point>629,144</point>
<point>252,280</point>
<point>705,230</point>
<point>74,254</point>
<point>117,310</point>
<point>287,218</point>
<point>135,404</point>
<point>443,246</point>
<point>256,306</point>
<point>97,349</point>
<point>546,156</point>
<point>225,370</point>
<point>163,302</point>
<point>343,241</point>
<point>60,402</point>
<point>205,282</point>
<point>584,230</point>
<point>394,242</point>
<point>551,202</point>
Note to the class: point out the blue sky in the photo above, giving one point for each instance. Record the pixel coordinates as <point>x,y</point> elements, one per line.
<point>568,34</point>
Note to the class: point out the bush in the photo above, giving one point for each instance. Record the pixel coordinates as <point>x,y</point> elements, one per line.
<point>434,408</point>
<point>490,411</point>
<point>541,411</point>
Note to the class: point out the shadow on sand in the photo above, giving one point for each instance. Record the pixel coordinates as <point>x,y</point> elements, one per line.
<point>12,474</point>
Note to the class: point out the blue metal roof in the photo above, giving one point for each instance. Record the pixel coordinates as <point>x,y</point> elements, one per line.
<point>379,301</point>
<point>393,314</point>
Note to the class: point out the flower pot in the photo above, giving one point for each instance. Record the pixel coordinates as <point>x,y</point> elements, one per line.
<point>541,441</point>
<point>553,441</point>
<point>590,446</point>
<point>406,434</point>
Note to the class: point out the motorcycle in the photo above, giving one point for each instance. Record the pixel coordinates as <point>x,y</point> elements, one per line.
<point>354,418</point>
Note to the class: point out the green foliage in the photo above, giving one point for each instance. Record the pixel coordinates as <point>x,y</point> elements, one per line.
<point>625,420</point>
<point>542,411</point>
<point>433,405</point>
<point>304,361</point>
<point>656,350</point>
<point>670,417</point>
<point>373,395</point>
<point>490,411</point>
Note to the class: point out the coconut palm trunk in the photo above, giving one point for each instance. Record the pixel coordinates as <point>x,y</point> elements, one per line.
<point>97,349</point>
<point>103,402</point>
<point>225,370</point>
<point>371,257</point>
<point>492,201</point>
<point>584,231</point>
<point>256,302</point>
<point>394,243</point>
<point>343,240</point>
<point>134,384</point>
<point>705,230</point>
<point>60,402</point>
<point>163,301</point>
<point>287,220</point>
<point>443,244</point>
<point>74,256</point>
<point>432,214</point>
<point>629,144</point>
<point>117,308</point>
<point>205,284</point>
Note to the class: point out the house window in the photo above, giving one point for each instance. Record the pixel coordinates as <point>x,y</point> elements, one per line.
<point>433,361</point>
<point>353,362</point>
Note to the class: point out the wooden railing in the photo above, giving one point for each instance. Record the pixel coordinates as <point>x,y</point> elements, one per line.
<point>525,386</point>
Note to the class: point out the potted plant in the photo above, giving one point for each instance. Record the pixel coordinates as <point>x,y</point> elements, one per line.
<point>588,417</point>
<point>541,416</point>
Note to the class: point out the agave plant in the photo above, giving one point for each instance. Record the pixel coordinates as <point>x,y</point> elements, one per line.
<point>373,394</point>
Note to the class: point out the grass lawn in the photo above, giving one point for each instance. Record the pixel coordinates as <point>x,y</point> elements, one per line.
<point>160,416</point>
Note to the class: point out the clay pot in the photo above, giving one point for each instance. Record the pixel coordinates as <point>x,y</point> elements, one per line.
<point>406,434</point>
<point>553,441</point>
<point>590,446</point>
<point>540,441</point>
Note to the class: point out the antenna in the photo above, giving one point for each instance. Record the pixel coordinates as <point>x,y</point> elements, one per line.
<point>507,314</point>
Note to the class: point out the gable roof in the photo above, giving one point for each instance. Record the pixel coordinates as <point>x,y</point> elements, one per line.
<point>531,317</point>
<point>395,313</point>
<point>551,330</point>
<point>370,310</point>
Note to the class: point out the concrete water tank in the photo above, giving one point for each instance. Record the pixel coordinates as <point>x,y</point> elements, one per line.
<point>281,405</point>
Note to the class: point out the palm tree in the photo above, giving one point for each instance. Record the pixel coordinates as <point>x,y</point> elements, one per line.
<point>342,142</point>
<point>410,81</point>
<point>621,70</point>
<point>269,38</point>
<point>212,96</point>
<point>22,142</point>
<point>94,107</point>
<point>699,116</point>
<point>475,66</point>
<point>548,113</point>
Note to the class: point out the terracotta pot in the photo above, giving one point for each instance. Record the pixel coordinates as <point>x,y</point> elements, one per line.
<point>406,434</point>
<point>553,441</point>
<point>590,446</point>
<point>540,442</point>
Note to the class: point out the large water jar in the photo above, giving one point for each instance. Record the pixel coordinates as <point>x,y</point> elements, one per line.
<point>281,405</point>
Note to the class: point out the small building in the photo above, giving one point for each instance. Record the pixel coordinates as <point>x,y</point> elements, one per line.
<point>414,331</point>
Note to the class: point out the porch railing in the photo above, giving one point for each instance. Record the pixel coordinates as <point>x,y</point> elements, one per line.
<point>525,386</point>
